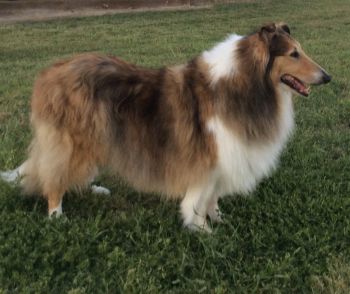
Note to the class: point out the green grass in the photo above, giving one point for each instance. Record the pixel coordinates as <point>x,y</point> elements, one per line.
<point>292,235</point>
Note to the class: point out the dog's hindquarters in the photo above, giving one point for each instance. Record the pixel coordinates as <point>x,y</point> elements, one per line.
<point>47,170</point>
<point>71,135</point>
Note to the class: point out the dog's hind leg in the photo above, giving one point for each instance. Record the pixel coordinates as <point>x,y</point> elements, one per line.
<point>100,190</point>
<point>47,170</point>
<point>54,198</point>
<point>54,176</point>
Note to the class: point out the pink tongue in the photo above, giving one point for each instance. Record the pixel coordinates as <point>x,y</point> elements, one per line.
<point>299,87</point>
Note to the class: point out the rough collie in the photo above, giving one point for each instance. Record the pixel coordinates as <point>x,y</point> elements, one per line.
<point>197,131</point>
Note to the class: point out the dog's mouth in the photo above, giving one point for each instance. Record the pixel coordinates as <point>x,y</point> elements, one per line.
<point>296,84</point>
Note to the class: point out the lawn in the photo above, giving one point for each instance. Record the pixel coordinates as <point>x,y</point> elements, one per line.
<point>291,235</point>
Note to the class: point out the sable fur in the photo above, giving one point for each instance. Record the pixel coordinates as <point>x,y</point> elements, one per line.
<point>134,120</point>
<point>159,129</point>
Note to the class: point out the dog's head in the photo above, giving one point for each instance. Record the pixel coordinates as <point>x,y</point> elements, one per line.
<point>286,61</point>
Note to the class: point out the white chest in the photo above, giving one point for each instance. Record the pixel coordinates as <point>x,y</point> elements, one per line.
<point>241,166</point>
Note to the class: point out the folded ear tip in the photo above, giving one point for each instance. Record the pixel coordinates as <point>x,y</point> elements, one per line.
<point>273,27</point>
<point>268,27</point>
<point>284,27</point>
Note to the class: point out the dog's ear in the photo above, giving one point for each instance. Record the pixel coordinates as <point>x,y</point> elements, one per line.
<point>273,36</point>
<point>267,32</point>
<point>284,27</point>
<point>268,28</point>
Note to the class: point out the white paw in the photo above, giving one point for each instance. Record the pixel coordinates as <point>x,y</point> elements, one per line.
<point>198,224</point>
<point>202,228</point>
<point>215,215</point>
<point>56,212</point>
<point>100,190</point>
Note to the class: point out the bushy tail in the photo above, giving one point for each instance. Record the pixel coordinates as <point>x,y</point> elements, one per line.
<point>25,175</point>
<point>12,176</point>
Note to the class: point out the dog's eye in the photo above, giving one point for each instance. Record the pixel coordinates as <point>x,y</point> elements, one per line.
<point>295,54</point>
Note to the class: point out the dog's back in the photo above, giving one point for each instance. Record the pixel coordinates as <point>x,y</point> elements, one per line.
<point>94,111</point>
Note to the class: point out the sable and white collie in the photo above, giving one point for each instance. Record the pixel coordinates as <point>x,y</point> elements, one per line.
<point>197,131</point>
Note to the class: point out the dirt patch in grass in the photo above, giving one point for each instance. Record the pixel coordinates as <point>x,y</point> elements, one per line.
<point>36,10</point>
<point>336,281</point>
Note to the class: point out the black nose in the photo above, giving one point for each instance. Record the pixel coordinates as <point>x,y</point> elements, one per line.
<point>326,78</point>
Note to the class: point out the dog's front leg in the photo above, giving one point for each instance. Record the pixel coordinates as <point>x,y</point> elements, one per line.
<point>194,206</point>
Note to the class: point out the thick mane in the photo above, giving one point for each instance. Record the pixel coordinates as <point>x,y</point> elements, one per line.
<point>247,98</point>
<point>253,92</point>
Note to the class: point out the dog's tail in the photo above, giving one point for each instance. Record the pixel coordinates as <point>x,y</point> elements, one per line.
<point>14,175</point>
<point>25,175</point>
<point>47,153</point>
